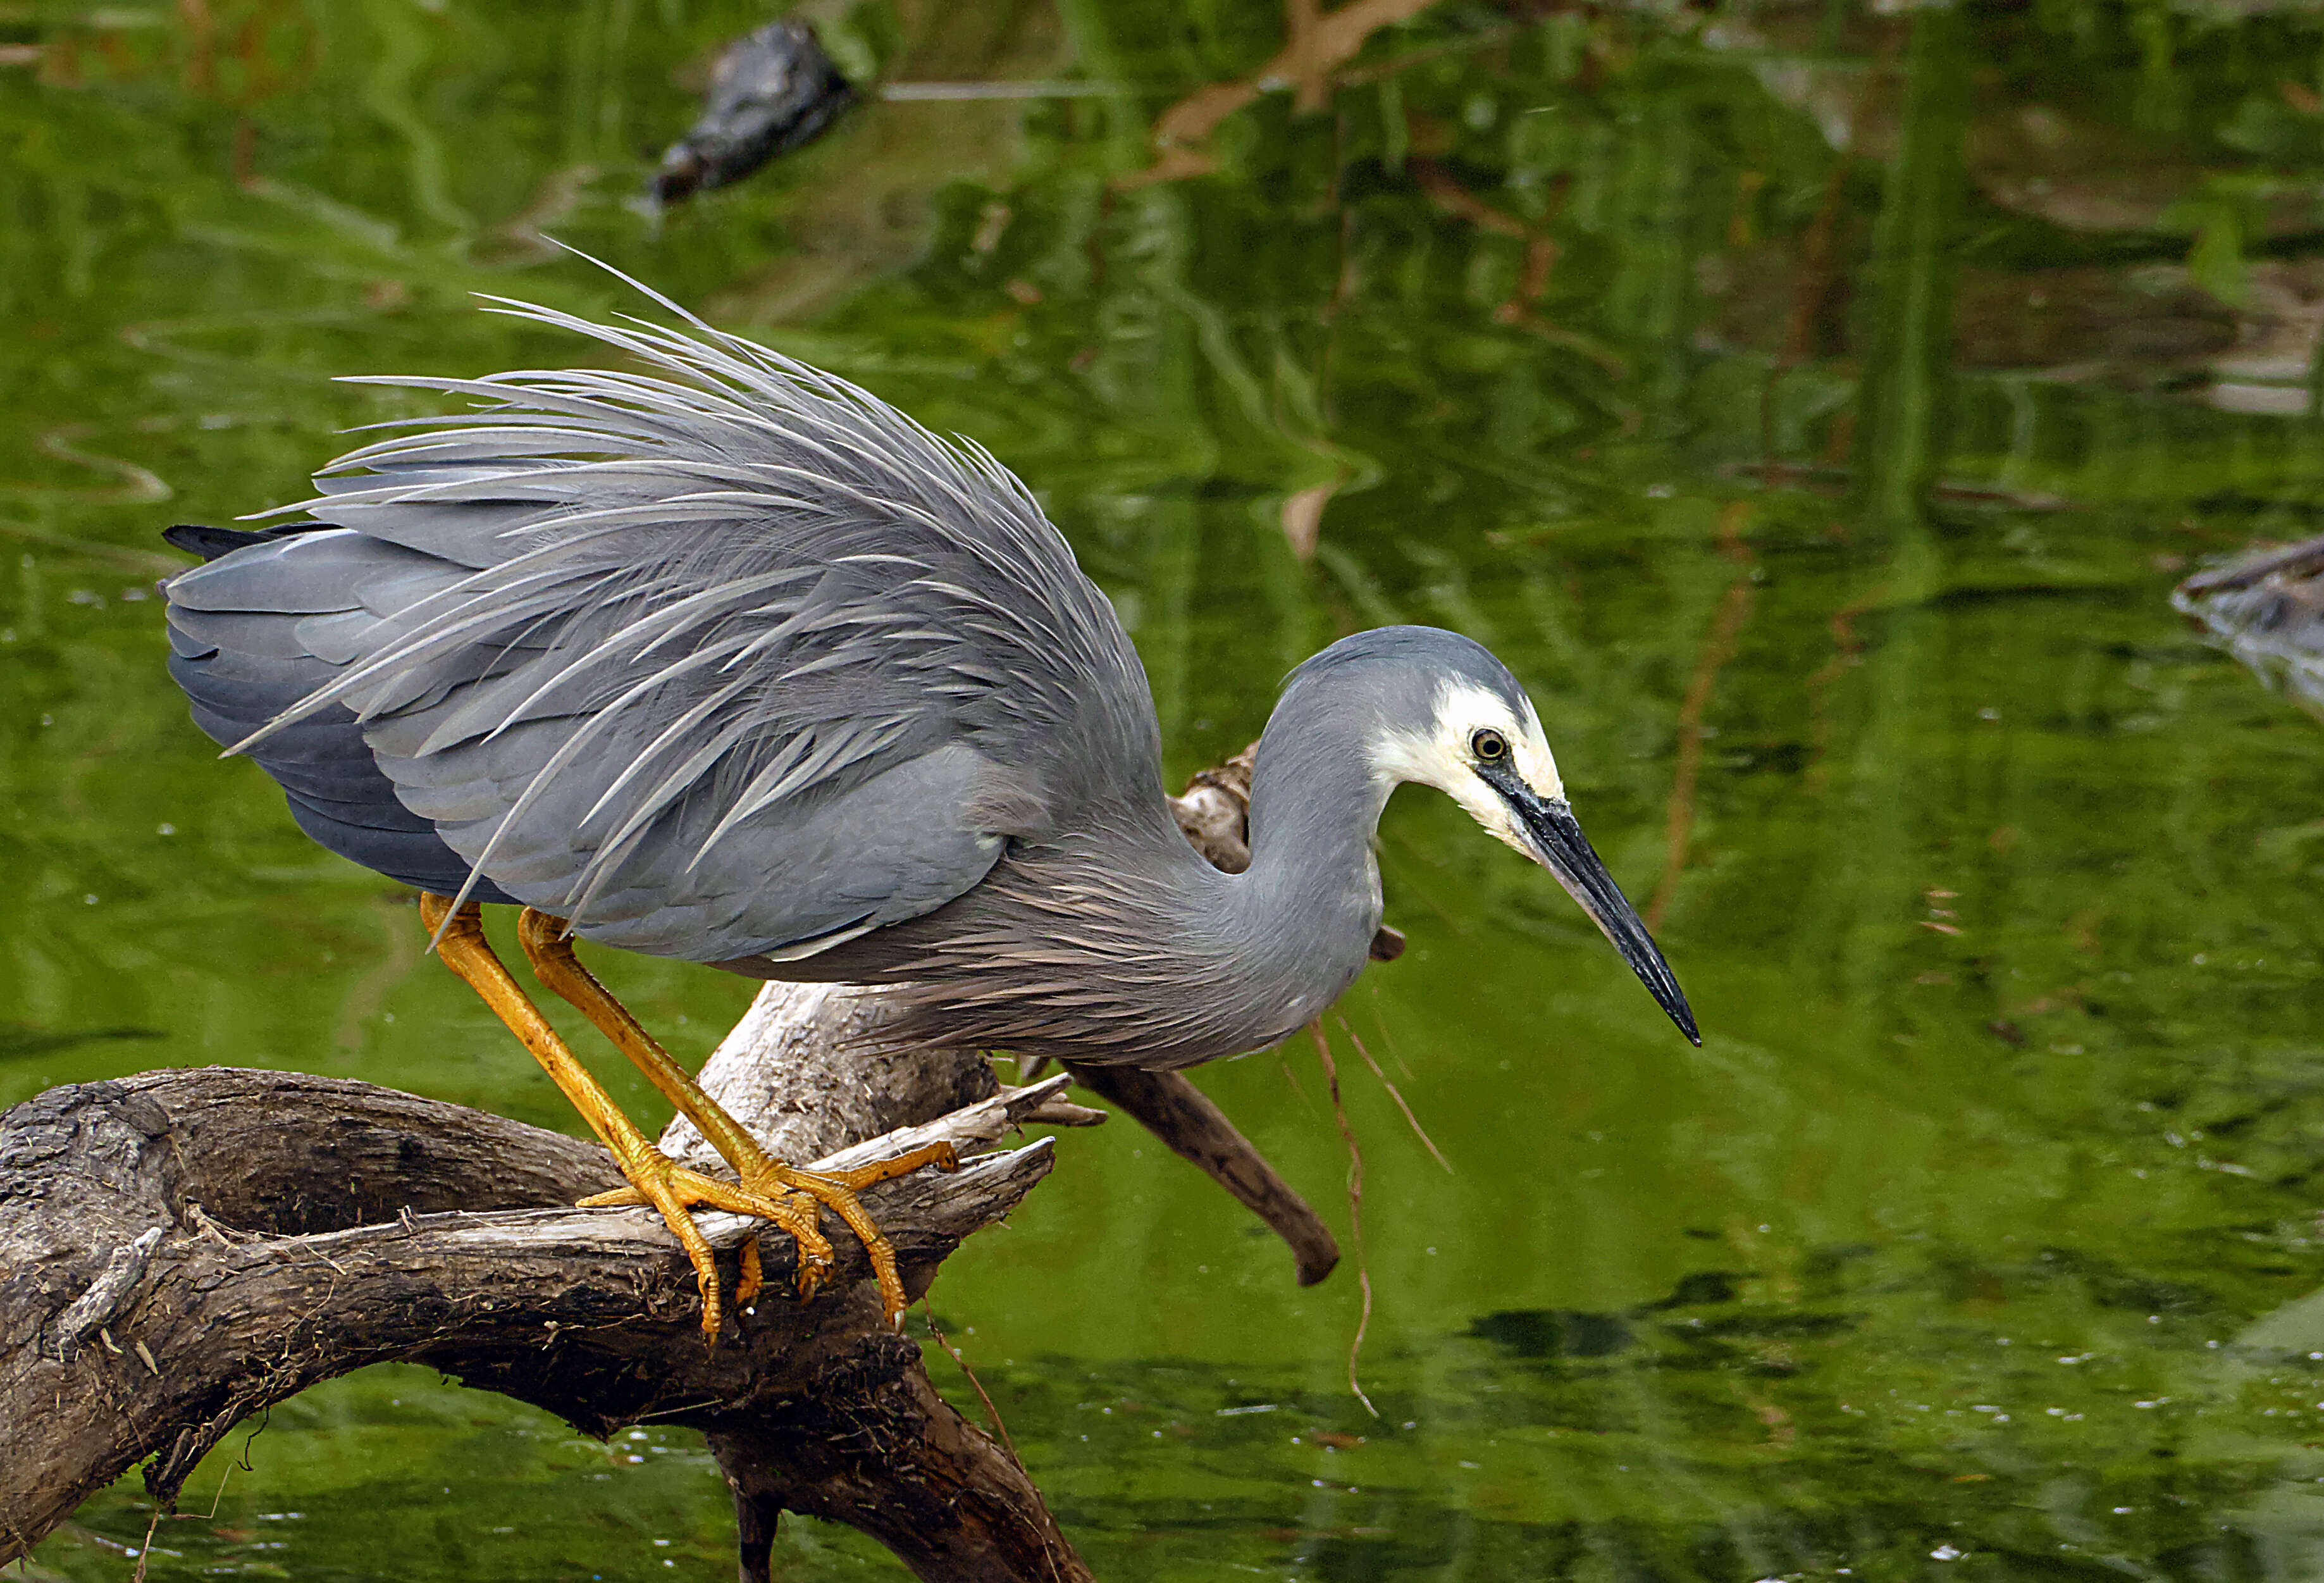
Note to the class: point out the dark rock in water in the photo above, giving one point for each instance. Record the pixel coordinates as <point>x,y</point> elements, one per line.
<point>773,90</point>
<point>1553,1332</point>
<point>2268,609</point>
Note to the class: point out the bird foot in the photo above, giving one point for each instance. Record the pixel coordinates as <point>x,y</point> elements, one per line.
<point>677,1191</point>
<point>838,1190</point>
<point>789,1196</point>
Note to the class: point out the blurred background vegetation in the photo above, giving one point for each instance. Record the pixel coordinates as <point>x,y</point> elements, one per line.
<point>1814,403</point>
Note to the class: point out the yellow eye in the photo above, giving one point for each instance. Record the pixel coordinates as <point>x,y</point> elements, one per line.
<point>1490,746</point>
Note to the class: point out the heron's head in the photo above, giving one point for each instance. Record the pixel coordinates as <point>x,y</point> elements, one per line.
<point>1446,713</point>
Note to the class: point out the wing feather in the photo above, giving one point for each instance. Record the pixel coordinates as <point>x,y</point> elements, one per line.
<point>718,654</point>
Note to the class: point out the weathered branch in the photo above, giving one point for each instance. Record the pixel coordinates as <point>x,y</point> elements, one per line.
<point>805,1071</point>
<point>183,1248</point>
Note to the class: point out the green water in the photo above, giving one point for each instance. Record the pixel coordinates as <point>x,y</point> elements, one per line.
<point>1813,408</point>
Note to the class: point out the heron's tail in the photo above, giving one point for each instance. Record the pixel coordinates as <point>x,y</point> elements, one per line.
<point>235,656</point>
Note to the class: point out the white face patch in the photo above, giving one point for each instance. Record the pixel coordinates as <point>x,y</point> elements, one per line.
<point>1439,756</point>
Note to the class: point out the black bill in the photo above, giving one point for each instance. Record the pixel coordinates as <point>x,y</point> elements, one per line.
<point>1559,845</point>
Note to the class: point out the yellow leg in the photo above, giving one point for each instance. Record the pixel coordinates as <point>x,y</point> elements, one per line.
<point>654,1178</point>
<point>550,948</point>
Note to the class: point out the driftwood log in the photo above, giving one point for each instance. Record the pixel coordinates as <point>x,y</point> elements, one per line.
<point>184,1248</point>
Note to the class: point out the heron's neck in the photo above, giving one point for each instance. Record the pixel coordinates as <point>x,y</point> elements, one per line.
<point>1309,906</point>
<point>1316,802</point>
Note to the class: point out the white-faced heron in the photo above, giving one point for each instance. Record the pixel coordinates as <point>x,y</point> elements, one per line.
<point>728,660</point>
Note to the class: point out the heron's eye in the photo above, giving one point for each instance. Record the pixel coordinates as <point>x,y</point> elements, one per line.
<point>1490,746</point>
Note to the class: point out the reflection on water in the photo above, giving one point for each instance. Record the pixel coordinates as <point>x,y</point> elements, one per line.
<point>2262,607</point>
<point>1814,408</point>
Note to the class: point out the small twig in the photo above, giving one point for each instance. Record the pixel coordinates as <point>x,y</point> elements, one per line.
<point>1055,1112</point>
<point>1291,1077</point>
<point>1396,1094</point>
<point>992,1413</point>
<point>146,1548</point>
<point>1355,1209</point>
<point>676,1410</point>
<point>968,1129</point>
<point>216,1500</point>
<point>250,1440</point>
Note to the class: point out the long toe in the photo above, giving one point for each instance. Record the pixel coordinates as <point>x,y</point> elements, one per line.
<point>791,1198</point>
<point>838,1190</point>
<point>657,1187</point>
<point>678,1190</point>
<point>753,1278</point>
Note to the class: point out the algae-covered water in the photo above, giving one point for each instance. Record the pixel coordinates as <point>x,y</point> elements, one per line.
<point>1813,406</point>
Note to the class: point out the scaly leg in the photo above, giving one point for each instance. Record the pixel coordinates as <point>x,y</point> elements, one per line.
<point>550,952</point>
<point>550,948</point>
<point>656,1178</point>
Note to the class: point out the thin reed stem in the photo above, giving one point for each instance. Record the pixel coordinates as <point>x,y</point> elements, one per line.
<point>1396,1094</point>
<point>1355,1209</point>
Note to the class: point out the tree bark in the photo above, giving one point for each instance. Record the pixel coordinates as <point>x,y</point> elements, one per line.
<point>186,1248</point>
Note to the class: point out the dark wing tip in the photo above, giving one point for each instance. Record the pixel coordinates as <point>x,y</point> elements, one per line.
<point>208,542</point>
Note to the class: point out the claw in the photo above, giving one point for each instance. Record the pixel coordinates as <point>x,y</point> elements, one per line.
<point>838,1190</point>
<point>775,1193</point>
<point>754,1277</point>
<point>677,1191</point>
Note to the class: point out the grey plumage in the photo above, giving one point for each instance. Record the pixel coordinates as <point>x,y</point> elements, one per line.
<point>635,645</point>
<point>1116,941</point>
<point>728,660</point>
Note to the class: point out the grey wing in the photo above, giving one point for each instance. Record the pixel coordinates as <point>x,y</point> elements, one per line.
<point>241,665</point>
<point>731,659</point>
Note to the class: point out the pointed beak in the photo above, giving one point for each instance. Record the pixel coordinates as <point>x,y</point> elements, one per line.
<point>1559,847</point>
